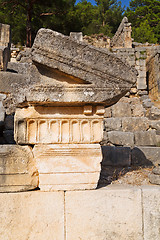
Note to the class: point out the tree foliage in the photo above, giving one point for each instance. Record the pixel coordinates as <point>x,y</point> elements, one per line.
<point>145,18</point>
<point>27,16</point>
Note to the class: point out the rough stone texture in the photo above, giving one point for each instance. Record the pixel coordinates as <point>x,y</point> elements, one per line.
<point>122,38</point>
<point>5,42</point>
<point>155,113</point>
<point>116,156</point>
<point>133,124</point>
<point>4,58</point>
<point>56,51</point>
<point>32,215</point>
<point>5,35</point>
<point>121,109</point>
<point>151,211</point>
<point>79,79</point>
<point>154,178</point>
<point>155,125</point>
<point>112,124</point>
<point>68,166</point>
<point>153,68</point>
<point>78,36</point>
<point>121,138</point>
<point>145,156</point>
<point>17,169</point>
<point>98,40</point>
<point>20,68</point>
<point>113,214</point>
<point>108,113</point>
<point>137,107</point>
<point>145,138</point>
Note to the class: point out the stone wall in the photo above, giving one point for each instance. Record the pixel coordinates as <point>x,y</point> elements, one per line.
<point>122,38</point>
<point>153,70</point>
<point>98,40</point>
<point>115,213</point>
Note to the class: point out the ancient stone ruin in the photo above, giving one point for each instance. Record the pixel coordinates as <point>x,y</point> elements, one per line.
<point>72,116</point>
<point>59,108</point>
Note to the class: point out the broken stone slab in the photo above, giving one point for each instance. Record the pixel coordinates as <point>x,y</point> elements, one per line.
<point>17,169</point>
<point>64,71</point>
<point>84,66</point>
<point>68,166</point>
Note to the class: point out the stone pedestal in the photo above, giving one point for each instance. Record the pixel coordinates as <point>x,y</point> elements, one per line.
<point>66,144</point>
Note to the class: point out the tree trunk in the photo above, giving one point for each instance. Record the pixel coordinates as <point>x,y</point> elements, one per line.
<point>29,24</point>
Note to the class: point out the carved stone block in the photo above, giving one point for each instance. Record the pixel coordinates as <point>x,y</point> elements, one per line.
<point>17,169</point>
<point>68,166</point>
<point>36,125</point>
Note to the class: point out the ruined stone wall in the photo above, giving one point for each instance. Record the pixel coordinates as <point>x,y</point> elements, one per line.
<point>153,70</point>
<point>98,40</point>
<point>122,38</point>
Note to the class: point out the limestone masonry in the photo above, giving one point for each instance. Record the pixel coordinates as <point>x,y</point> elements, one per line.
<point>59,107</point>
<point>72,117</point>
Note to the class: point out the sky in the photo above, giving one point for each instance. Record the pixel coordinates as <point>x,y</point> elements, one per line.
<point>124,2</point>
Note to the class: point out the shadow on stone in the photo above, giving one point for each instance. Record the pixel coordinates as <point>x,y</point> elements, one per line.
<point>117,161</point>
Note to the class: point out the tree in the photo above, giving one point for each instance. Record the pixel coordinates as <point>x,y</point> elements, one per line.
<point>144,33</point>
<point>145,13</point>
<point>31,13</point>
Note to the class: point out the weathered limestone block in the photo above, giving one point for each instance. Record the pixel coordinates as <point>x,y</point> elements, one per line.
<point>113,124</point>
<point>121,138</point>
<point>121,109</point>
<point>137,107</point>
<point>32,215</point>
<point>59,125</point>
<point>145,138</point>
<point>151,212</point>
<point>97,73</point>
<point>108,213</point>
<point>17,169</point>
<point>135,124</point>
<point>68,166</point>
